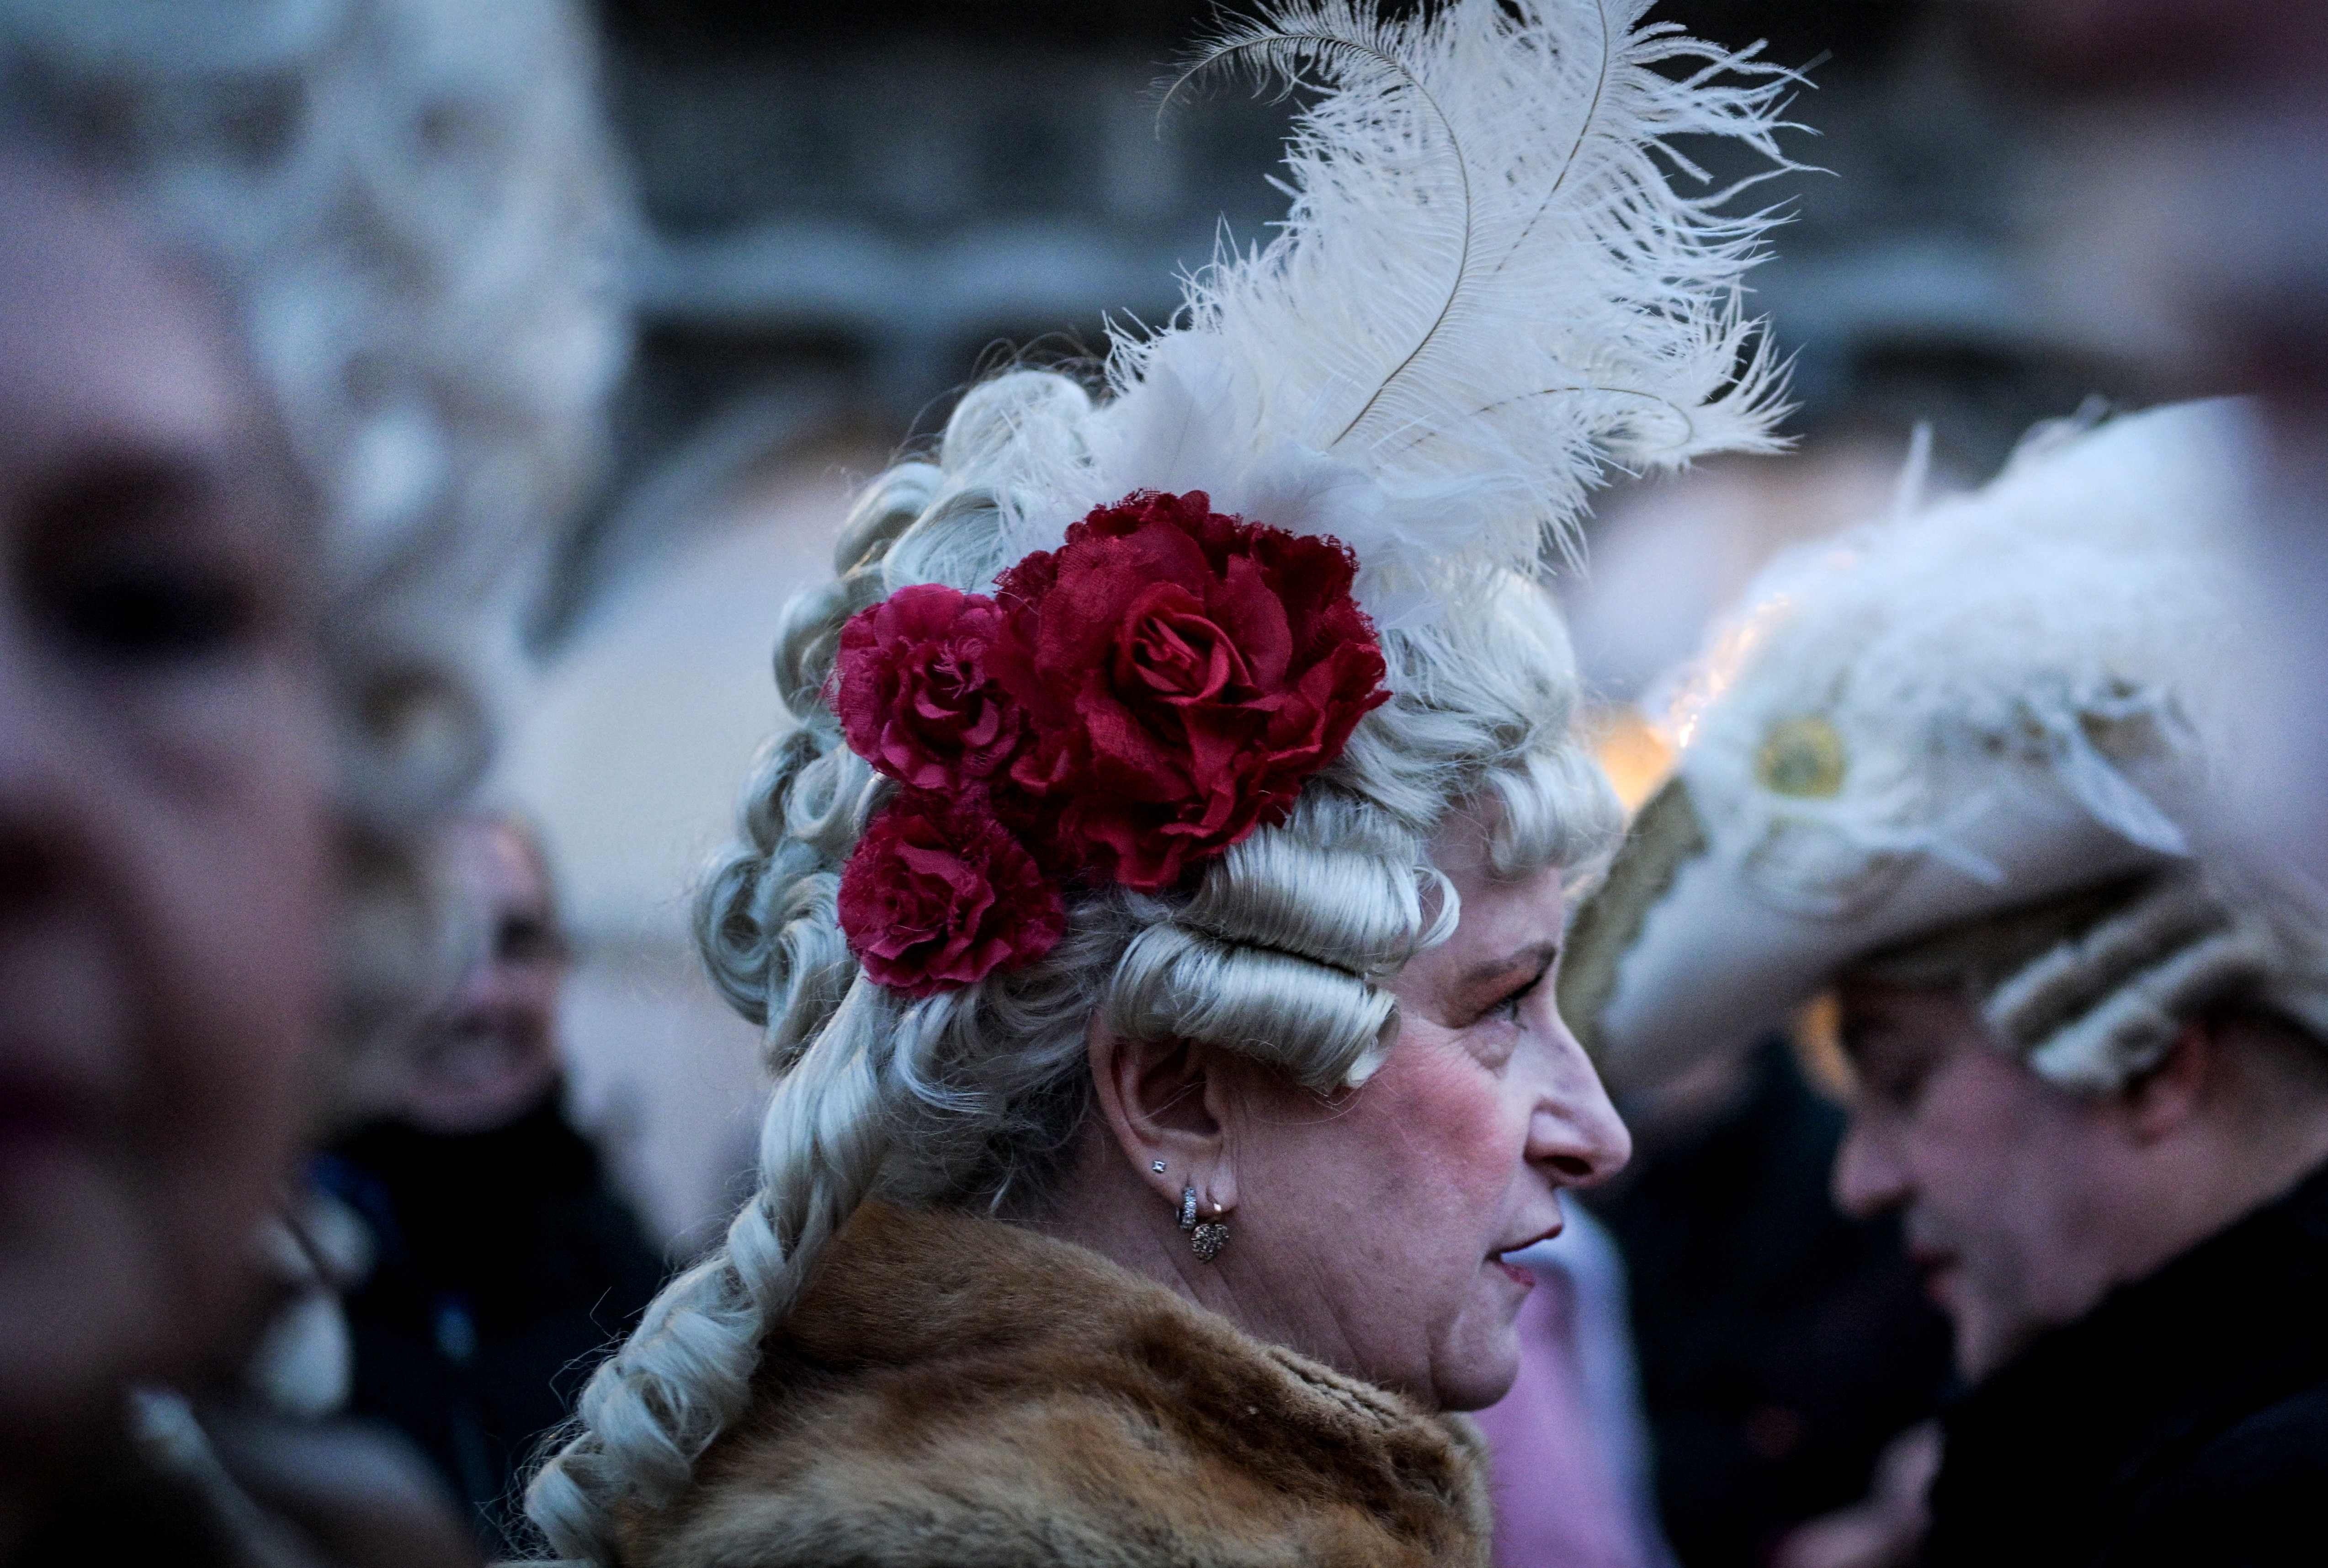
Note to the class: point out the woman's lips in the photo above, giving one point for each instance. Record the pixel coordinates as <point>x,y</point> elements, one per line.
<point>1521,1274</point>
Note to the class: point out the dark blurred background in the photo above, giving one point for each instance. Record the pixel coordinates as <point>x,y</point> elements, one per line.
<point>854,209</point>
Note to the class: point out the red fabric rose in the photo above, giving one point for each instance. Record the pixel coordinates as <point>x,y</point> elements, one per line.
<point>938,895</point>
<point>1184,674</point>
<point>912,690</point>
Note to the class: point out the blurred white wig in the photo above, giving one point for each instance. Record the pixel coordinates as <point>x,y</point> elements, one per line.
<point>413,212</point>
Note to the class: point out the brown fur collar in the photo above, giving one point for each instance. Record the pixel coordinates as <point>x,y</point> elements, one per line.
<point>959,1392</point>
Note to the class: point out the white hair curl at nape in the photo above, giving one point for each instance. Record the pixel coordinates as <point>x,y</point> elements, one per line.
<point>972,1098</point>
<point>413,210</point>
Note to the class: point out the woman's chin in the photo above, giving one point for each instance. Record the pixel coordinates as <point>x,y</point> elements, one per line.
<point>1478,1387</point>
<point>1483,1375</point>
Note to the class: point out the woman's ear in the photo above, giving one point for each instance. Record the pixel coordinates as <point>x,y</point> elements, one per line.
<point>1166,1103</point>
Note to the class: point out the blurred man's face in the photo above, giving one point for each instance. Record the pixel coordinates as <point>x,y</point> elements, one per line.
<point>163,902</point>
<point>2004,1181</point>
<point>494,1054</point>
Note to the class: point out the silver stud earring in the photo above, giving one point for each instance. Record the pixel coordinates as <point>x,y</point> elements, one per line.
<point>1207,1239</point>
<point>1157,1166</point>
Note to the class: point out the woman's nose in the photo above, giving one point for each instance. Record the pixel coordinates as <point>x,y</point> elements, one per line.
<point>1577,1132</point>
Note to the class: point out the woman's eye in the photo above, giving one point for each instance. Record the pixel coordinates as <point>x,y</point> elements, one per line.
<point>525,939</point>
<point>154,614</point>
<point>1508,1009</point>
<point>142,560</point>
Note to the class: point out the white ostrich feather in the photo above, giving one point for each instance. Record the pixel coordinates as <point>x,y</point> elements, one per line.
<point>1488,290</point>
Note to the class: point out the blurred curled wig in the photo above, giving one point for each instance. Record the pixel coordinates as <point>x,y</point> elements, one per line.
<point>972,1098</point>
<point>411,211</point>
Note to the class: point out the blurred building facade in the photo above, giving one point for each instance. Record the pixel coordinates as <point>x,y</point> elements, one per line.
<point>855,210</point>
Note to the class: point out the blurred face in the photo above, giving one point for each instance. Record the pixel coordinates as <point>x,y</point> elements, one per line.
<point>494,1054</point>
<point>2009,1188</point>
<point>162,822</point>
<point>1377,1222</point>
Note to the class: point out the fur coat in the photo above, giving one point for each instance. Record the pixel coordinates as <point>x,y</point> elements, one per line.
<point>954,1391</point>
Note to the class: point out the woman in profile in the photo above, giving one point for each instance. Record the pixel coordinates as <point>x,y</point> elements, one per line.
<point>1152,914</point>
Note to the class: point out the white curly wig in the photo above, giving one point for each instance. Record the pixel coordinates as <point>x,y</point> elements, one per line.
<point>412,210</point>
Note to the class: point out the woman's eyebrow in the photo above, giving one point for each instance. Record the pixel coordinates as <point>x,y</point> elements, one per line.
<point>1533,960</point>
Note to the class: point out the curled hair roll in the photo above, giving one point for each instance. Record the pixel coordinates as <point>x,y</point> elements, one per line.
<point>1555,807</point>
<point>890,505</point>
<point>2102,1007</point>
<point>1326,1027</point>
<point>764,917</point>
<point>1483,709</point>
<point>766,920</point>
<point>1337,885</point>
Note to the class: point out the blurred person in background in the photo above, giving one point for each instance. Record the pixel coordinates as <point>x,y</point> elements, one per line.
<point>489,1058</point>
<point>164,772</point>
<point>284,406</point>
<point>1781,1342</point>
<point>1961,766</point>
<point>500,1257</point>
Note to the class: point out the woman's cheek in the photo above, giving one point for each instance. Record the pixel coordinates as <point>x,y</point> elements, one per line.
<point>1458,1112</point>
<point>239,929</point>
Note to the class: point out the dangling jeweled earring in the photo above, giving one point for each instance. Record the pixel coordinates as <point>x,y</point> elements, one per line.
<point>1207,1239</point>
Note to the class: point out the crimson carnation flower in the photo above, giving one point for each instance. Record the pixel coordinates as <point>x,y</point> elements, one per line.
<point>912,690</point>
<point>939,895</point>
<point>1184,674</point>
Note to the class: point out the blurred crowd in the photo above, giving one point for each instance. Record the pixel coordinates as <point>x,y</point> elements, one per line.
<point>355,1097</point>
